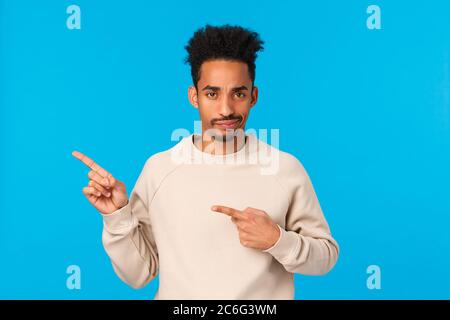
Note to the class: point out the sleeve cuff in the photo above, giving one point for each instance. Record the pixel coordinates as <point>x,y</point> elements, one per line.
<point>276,243</point>
<point>118,220</point>
<point>287,244</point>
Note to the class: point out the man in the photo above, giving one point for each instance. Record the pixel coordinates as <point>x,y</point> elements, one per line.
<point>211,226</point>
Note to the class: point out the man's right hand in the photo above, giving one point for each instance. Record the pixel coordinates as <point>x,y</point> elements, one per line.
<point>104,192</point>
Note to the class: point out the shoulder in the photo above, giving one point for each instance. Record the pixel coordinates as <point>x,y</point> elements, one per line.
<point>288,170</point>
<point>283,164</point>
<point>160,164</point>
<point>290,164</point>
<point>293,177</point>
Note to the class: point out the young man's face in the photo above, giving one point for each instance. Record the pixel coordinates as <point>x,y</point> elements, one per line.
<point>224,97</point>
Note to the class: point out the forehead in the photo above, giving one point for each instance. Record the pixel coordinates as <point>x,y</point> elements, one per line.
<point>215,72</point>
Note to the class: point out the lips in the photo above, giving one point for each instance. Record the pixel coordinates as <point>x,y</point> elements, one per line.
<point>228,124</point>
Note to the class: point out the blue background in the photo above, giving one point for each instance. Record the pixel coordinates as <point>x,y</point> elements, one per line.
<point>366,111</point>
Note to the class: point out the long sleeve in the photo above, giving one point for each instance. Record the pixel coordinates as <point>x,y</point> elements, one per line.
<point>305,245</point>
<point>128,239</point>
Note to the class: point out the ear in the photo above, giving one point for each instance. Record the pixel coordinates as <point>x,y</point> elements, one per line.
<point>254,96</point>
<point>192,96</point>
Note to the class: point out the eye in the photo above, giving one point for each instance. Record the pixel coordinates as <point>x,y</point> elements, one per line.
<point>240,94</point>
<point>211,93</point>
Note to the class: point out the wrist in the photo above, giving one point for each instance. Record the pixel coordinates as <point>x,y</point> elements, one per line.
<point>121,206</point>
<point>275,237</point>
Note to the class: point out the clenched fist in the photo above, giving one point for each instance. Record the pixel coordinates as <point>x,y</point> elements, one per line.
<point>104,192</point>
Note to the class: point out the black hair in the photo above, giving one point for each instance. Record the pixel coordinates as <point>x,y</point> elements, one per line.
<point>226,42</point>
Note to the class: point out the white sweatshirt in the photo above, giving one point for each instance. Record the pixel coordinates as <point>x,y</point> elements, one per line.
<point>168,227</point>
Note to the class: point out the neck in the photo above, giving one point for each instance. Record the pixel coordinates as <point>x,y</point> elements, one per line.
<point>209,144</point>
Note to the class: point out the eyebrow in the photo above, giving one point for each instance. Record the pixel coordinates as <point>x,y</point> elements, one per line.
<point>208,87</point>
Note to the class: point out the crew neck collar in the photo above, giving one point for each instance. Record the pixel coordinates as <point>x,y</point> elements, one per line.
<point>248,148</point>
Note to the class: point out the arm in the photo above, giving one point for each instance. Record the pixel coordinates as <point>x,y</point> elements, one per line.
<point>128,239</point>
<point>305,245</point>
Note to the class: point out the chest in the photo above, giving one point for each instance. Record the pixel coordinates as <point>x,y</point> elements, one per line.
<point>181,208</point>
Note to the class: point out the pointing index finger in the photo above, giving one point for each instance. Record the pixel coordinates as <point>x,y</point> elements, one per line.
<point>91,164</point>
<point>229,211</point>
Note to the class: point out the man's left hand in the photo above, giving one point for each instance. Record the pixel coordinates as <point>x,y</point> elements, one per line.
<point>256,229</point>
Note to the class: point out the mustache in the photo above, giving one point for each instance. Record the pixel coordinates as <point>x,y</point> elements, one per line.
<point>213,121</point>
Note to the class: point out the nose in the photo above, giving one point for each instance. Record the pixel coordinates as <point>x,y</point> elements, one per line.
<point>226,107</point>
